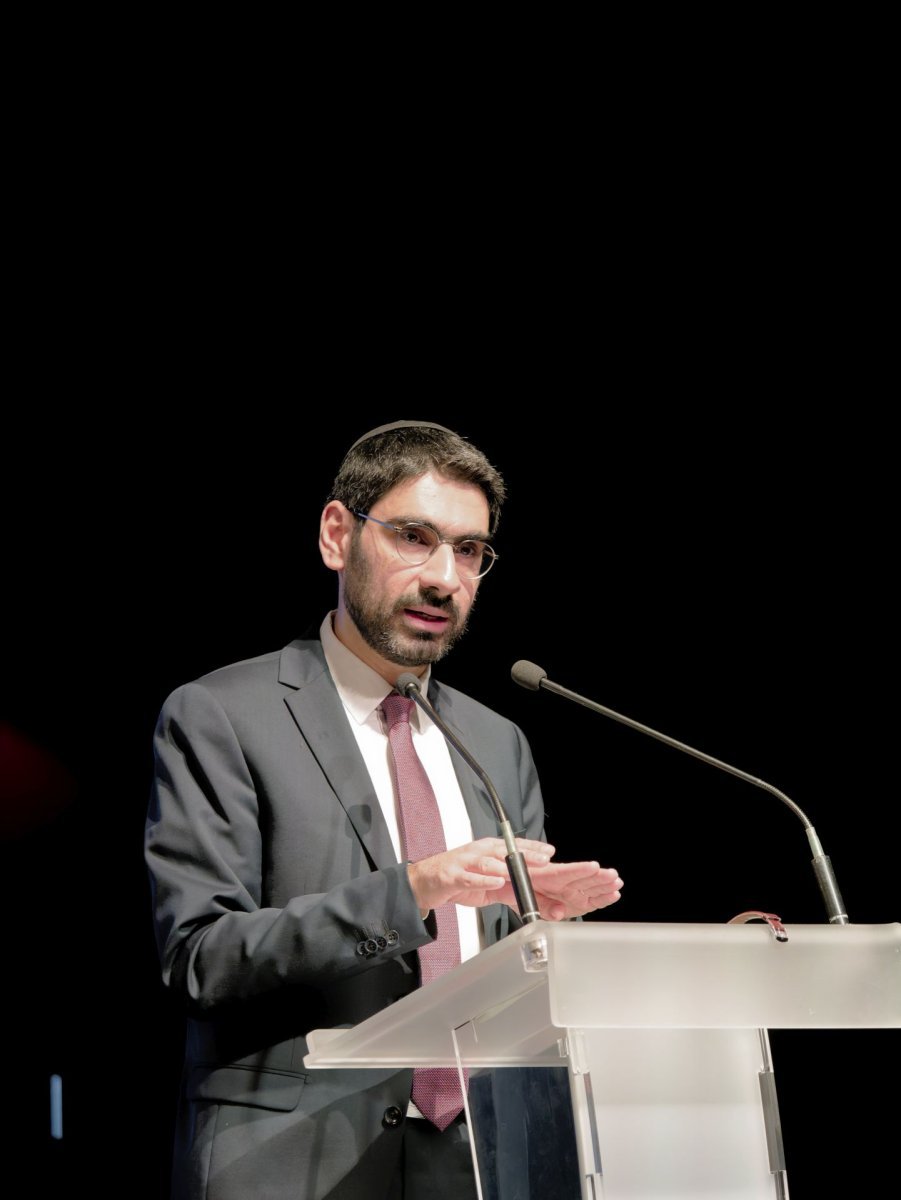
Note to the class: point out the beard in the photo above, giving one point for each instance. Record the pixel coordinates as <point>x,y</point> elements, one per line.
<point>380,622</point>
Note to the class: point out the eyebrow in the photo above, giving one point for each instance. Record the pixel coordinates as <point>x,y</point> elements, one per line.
<point>460,537</point>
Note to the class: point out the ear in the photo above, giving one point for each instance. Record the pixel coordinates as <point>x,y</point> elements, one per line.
<point>335,531</point>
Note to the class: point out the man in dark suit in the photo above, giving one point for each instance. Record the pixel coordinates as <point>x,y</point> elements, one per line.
<point>284,898</point>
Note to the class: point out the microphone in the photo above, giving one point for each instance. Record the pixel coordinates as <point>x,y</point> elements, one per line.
<point>408,685</point>
<point>532,677</point>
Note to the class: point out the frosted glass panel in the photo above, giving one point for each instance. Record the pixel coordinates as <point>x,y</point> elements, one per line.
<point>725,976</point>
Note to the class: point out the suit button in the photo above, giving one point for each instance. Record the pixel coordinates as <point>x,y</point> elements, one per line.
<point>392,939</point>
<point>392,1116</point>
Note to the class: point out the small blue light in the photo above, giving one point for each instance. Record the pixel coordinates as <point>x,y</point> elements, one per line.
<point>56,1106</point>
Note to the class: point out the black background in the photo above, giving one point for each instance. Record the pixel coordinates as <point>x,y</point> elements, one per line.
<point>657,296</point>
<point>704,558</point>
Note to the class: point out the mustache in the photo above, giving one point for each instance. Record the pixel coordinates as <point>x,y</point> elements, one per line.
<point>432,599</point>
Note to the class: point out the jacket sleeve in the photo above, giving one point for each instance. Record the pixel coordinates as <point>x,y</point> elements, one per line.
<point>532,805</point>
<point>204,847</point>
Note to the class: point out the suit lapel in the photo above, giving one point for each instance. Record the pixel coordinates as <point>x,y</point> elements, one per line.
<point>322,722</point>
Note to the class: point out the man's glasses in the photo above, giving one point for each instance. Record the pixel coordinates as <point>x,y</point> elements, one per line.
<point>416,543</point>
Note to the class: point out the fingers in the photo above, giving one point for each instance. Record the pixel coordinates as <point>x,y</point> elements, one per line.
<point>466,875</point>
<point>583,899</point>
<point>563,874</point>
<point>573,889</point>
<point>590,901</point>
<point>497,846</point>
<point>536,853</point>
<point>557,878</point>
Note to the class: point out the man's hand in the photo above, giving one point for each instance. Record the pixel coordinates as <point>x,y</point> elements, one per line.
<point>476,874</point>
<point>565,890</point>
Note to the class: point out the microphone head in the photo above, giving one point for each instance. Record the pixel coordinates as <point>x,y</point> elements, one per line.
<point>407,683</point>
<point>527,675</point>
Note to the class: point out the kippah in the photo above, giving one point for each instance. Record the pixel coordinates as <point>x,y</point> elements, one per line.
<point>400,425</point>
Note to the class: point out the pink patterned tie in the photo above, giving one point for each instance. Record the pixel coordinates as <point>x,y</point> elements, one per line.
<point>436,1090</point>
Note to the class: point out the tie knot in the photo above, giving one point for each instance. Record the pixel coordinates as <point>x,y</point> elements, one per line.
<point>397,709</point>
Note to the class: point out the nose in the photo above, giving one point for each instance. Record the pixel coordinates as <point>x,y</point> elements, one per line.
<point>439,571</point>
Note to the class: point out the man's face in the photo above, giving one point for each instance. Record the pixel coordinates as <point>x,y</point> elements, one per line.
<point>411,615</point>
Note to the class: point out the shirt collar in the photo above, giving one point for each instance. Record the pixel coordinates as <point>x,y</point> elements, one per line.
<point>361,689</point>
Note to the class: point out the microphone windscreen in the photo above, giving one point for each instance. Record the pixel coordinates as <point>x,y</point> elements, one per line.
<point>527,675</point>
<point>407,683</point>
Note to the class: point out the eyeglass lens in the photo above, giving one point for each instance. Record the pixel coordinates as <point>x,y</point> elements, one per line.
<point>415,543</point>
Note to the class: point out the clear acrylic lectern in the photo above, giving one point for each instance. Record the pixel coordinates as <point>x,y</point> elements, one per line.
<point>660,1031</point>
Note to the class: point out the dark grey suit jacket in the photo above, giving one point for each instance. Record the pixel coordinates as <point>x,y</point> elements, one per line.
<point>271,863</point>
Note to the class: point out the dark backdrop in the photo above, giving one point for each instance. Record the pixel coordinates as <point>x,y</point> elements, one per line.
<point>717,568</point>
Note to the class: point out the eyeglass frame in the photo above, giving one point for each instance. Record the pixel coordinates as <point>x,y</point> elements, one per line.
<point>493,555</point>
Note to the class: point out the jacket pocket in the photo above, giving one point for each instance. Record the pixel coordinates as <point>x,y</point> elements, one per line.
<point>274,1090</point>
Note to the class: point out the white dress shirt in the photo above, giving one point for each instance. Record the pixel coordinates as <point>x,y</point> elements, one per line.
<point>362,691</point>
